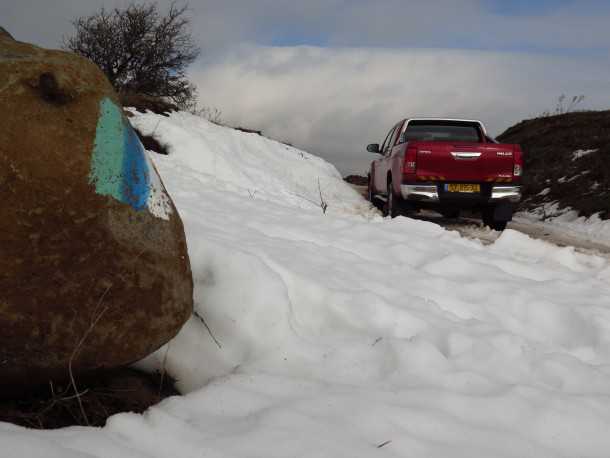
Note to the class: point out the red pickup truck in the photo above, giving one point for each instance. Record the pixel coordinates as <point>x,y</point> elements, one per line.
<point>446,165</point>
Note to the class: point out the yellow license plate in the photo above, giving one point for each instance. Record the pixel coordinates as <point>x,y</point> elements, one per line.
<point>463,187</point>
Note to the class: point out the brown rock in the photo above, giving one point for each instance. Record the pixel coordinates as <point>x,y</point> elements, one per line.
<point>94,269</point>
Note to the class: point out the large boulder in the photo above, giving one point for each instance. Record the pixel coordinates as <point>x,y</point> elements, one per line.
<point>94,271</point>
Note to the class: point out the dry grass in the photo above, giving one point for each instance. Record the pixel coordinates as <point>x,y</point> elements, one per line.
<point>100,396</point>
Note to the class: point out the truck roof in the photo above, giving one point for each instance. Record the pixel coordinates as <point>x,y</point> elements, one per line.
<point>445,119</point>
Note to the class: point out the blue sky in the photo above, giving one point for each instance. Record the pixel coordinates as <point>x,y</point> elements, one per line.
<point>540,26</point>
<point>528,7</point>
<point>553,26</point>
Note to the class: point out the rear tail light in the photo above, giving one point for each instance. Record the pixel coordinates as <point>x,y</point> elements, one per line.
<point>518,170</point>
<point>518,161</point>
<point>410,161</point>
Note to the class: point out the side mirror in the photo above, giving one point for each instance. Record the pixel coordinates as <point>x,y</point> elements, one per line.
<point>373,148</point>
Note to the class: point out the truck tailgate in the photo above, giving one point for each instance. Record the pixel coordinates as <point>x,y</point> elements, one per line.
<point>471,162</point>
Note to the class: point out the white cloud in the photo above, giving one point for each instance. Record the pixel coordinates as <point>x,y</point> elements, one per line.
<point>335,101</point>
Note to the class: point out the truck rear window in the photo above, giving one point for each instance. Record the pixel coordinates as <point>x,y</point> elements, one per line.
<point>442,132</point>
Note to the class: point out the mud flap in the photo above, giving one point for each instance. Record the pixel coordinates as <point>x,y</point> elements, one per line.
<point>503,212</point>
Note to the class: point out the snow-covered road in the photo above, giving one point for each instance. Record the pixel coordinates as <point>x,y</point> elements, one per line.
<point>594,244</point>
<point>590,236</point>
<point>348,335</point>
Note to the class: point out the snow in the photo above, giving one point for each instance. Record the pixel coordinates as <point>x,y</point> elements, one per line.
<point>581,153</point>
<point>332,334</point>
<point>566,221</point>
<point>158,202</point>
<point>250,165</point>
<point>563,180</point>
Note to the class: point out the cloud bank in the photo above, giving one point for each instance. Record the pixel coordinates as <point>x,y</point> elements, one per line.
<point>333,101</point>
<point>498,60</point>
<point>550,25</point>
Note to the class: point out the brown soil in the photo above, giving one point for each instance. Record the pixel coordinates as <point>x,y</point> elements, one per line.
<point>4,32</point>
<point>549,143</point>
<point>150,143</point>
<point>249,131</point>
<point>142,103</point>
<point>357,180</point>
<point>102,395</point>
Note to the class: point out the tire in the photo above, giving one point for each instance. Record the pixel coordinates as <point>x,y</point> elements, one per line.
<point>372,197</point>
<point>392,205</point>
<point>450,214</point>
<point>488,220</point>
<point>499,225</point>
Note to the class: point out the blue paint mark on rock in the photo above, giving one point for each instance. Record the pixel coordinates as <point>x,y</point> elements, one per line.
<point>119,167</point>
<point>136,175</point>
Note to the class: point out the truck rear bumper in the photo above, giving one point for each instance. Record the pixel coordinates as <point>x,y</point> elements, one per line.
<point>510,193</point>
<point>419,192</point>
<point>431,193</point>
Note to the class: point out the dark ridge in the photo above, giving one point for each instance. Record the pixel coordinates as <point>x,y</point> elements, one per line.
<point>549,144</point>
<point>249,131</point>
<point>150,143</point>
<point>4,32</point>
<point>358,180</point>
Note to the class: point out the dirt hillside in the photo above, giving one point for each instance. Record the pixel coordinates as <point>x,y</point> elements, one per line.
<point>567,160</point>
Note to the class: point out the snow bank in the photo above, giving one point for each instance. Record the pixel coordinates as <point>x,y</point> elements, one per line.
<point>566,221</point>
<point>330,335</point>
<point>250,165</point>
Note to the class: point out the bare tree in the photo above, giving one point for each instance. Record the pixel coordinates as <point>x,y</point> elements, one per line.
<point>140,50</point>
<point>212,114</point>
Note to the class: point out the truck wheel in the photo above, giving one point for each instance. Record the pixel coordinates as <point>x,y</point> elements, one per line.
<point>450,214</point>
<point>499,225</point>
<point>372,198</point>
<point>370,195</point>
<point>490,221</point>
<point>392,204</point>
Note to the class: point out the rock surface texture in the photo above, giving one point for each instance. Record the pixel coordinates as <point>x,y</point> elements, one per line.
<point>94,270</point>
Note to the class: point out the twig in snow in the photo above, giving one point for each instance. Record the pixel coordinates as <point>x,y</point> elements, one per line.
<point>383,444</point>
<point>78,395</point>
<point>377,340</point>
<point>155,129</point>
<point>323,204</point>
<point>98,313</point>
<point>304,198</point>
<point>56,398</point>
<point>208,328</point>
<point>163,369</point>
<point>96,318</point>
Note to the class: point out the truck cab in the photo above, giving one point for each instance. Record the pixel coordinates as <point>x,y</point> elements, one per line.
<point>447,165</point>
